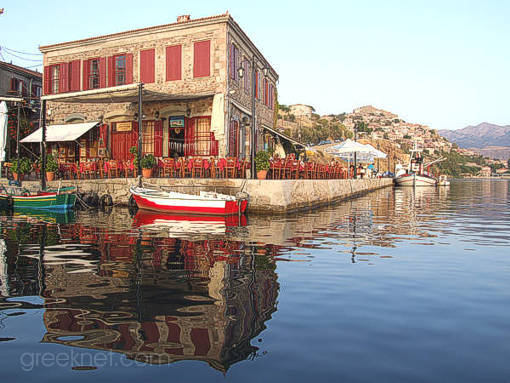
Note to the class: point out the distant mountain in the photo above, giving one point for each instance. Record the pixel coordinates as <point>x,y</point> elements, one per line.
<point>479,136</point>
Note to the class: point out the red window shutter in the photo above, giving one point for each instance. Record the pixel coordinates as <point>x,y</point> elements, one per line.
<point>257,84</point>
<point>147,62</point>
<point>111,71</point>
<point>86,70</point>
<point>102,72</point>
<point>266,92</point>
<point>173,62</point>
<point>64,78</point>
<point>129,68</point>
<point>75,76</point>
<point>158,138</point>
<point>46,80</point>
<point>202,59</point>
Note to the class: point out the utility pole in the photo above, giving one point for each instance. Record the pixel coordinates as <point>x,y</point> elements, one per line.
<point>42,123</point>
<point>253,119</point>
<point>140,132</point>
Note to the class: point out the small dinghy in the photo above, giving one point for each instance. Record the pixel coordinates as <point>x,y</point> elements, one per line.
<point>14,197</point>
<point>207,203</point>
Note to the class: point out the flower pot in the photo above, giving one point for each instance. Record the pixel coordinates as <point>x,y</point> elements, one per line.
<point>50,176</point>
<point>17,176</point>
<point>261,174</point>
<point>147,173</point>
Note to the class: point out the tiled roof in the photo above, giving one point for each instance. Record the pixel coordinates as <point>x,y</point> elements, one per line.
<point>191,21</point>
<point>21,69</point>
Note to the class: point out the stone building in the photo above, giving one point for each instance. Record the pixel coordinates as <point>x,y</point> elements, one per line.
<point>301,110</point>
<point>197,90</point>
<point>21,89</point>
<point>16,81</point>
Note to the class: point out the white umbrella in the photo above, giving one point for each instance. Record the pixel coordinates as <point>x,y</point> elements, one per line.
<point>4,118</point>
<point>348,146</point>
<point>375,152</point>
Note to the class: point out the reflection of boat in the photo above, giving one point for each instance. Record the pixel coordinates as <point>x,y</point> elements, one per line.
<point>205,203</point>
<point>187,224</point>
<point>50,216</point>
<point>415,174</point>
<point>16,197</point>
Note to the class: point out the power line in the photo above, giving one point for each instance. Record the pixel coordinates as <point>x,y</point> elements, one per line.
<point>22,58</point>
<point>20,52</point>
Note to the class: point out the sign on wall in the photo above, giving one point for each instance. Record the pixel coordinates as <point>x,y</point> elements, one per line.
<point>123,126</point>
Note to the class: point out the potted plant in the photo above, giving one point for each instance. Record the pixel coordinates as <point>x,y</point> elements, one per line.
<point>147,162</point>
<point>20,167</point>
<point>262,164</point>
<point>51,168</point>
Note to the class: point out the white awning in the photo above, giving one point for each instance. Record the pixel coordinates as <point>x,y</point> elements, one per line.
<point>59,133</point>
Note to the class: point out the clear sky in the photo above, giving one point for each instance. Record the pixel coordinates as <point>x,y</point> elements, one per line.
<point>441,63</point>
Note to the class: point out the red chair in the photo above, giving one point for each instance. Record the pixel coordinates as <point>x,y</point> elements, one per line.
<point>241,169</point>
<point>276,168</point>
<point>113,168</point>
<point>197,168</point>
<point>167,167</point>
<point>211,168</point>
<point>186,167</point>
<point>231,167</point>
<point>309,172</point>
<point>291,169</point>
<point>88,169</point>
<point>129,169</point>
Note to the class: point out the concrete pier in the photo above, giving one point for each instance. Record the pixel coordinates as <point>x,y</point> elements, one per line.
<point>265,196</point>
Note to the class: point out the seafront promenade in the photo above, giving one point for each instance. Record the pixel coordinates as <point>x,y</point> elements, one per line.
<point>265,196</point>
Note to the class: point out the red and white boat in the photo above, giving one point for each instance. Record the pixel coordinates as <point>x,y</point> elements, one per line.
<point>417,173</point>
<point>207,203</point>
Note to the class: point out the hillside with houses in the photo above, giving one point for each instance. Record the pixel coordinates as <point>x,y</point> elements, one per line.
<point>385,130</point>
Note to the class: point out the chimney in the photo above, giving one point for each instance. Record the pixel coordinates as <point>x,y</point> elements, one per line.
<point>183,18</point>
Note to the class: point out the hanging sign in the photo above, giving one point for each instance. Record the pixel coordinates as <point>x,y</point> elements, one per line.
<point>176,122</point>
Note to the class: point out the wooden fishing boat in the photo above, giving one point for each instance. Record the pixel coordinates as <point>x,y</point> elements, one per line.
<point>417,173</point>
<point>51,199</point>
<point>172,202</point>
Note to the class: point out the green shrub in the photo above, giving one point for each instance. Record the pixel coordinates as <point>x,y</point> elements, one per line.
<point>134,151</point>
<point>24,166</point>
<point>51,164</point>
<point>148,161</point>
<point>262,160</point>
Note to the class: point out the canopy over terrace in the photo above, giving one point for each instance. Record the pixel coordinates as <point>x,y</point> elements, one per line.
<point>57,133</point>
<point>285,137</point>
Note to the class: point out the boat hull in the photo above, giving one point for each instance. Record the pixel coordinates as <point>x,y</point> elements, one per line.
<point>189,206</point>
<point>49,201</point>
<point>415,180</point>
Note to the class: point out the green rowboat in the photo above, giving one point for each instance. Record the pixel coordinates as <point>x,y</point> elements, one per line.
<point>53,199</point>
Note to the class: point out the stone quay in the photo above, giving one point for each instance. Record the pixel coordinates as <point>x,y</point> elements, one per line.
<point>264,196</point>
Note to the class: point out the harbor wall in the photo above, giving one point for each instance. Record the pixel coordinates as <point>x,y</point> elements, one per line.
<point>265,196</point>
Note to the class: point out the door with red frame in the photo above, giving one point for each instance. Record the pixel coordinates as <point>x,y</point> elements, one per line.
<point>233,139</point>
<point>123,138</point>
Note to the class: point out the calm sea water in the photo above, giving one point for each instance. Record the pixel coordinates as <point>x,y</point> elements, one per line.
<point>397,286</point>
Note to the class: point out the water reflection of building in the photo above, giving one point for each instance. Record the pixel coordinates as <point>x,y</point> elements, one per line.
<point>160,300</point>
